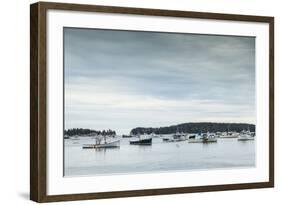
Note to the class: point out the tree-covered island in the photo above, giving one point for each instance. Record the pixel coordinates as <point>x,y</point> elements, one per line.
<point>195,127</point>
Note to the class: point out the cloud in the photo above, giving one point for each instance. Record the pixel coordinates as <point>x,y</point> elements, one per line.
<point>123,79</point>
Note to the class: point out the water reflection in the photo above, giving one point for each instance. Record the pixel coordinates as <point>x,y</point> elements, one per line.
<point>160,156</point>
<point>104,150</point>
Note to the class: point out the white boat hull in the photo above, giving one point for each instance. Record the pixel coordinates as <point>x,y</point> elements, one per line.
<point>229,136</point>
<point>202,140</point>
<point>245,138</point>
<point>113,144</point>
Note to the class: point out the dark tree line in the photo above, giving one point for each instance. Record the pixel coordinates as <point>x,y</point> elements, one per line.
<point>195,128</point>
<point>81,131</point>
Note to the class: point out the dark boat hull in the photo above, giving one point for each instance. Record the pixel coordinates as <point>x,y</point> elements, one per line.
<point>141,142</point>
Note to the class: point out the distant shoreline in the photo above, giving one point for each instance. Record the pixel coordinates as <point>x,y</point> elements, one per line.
<point>196,127</point>
<point>191,127</point>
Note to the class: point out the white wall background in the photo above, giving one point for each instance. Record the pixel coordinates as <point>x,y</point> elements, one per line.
<point>14,101</point>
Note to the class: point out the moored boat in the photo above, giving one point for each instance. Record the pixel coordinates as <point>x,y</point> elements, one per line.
<point>141,140</point>
<point>126,136</point>
<point>177,137</point>
<point>246,136</point>
<point>103,142</point>
<point>167,139</point>
<point>229,135</point>
<point>204,138</point>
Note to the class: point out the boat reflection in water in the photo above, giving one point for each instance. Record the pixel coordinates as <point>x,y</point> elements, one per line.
<point>137,154</point>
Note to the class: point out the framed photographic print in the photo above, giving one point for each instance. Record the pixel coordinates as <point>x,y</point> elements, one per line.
<point>135,102</point>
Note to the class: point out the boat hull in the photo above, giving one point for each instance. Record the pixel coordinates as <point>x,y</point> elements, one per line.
<point>246,139</point>
<point>173,140</point>
<point>166,139</point>
<point>228,137</point>
<point>141,142</point>
<point>202,140</point>
<point>115,144</point>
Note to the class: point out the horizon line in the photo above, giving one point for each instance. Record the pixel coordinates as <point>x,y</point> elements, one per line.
<point>171,125</point>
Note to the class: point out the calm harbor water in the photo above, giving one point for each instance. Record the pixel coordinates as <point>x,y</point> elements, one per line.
<point>159,157</point>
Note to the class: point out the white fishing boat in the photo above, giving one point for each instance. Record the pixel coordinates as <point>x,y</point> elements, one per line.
<point>179,137</point>
<point>175,138</point>
<point>246,136</point>
<point>204,138</point>
<point>103,142</point>
<point>229,135</point>
<point>194,138</point>
<point>153,135</point>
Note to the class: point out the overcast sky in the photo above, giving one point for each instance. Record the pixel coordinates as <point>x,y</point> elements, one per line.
<point>121,80</point>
